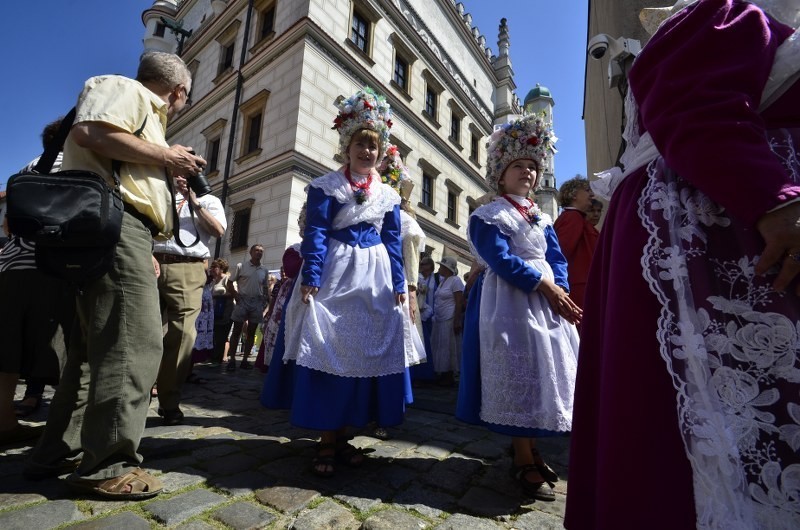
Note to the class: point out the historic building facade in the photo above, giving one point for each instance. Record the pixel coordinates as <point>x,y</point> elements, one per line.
<point>266,74</point>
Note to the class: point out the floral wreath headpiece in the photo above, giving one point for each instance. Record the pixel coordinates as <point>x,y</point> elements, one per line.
<point>394,172</point>
<point>529,137</point>
<point>366,109</point>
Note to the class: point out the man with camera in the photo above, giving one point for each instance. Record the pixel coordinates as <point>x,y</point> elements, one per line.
<point>99,410</point>
<point>180,285</point>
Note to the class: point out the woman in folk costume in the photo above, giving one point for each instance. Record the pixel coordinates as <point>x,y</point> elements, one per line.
<point>395,173</point>
<point>687,402</point>
<point>346,313</point>
<point>520,344</point>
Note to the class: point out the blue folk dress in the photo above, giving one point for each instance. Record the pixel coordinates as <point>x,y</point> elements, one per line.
<point>348,364</point>
<point>519,358</point>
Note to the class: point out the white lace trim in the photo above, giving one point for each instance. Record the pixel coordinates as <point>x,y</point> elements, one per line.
<point>727,363</point>
<point>382,199</point>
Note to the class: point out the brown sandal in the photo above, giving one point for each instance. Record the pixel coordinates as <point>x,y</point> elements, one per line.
<point>323,465</point>
<point>143,485</point>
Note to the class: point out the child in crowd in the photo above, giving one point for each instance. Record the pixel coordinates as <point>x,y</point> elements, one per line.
<point>520,343</point>
<point>346,311</point>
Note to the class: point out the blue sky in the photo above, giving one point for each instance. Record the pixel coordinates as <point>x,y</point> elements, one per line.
<point>53,46</point>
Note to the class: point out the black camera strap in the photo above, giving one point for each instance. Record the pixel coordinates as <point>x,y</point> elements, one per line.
<point>176,222</point>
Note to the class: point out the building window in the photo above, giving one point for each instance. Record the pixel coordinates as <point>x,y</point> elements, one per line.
<point>253,111</point>
<point>455,128</point>
<point>226,58</point>
<point>473,148</point>
<point>212,155</point>
<point>241,228</point>
<point>253,133</point>
<point>227,47</point>
<point>266,21</point>
<point>359,31</point>
<point>427,190</point>
<point>452,207</point>
<point>400,72</point>
<point>430,102</point>
<point>159,32</point>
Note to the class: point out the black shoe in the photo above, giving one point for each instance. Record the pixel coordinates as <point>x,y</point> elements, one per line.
<point>171,417</point>
<point>246,366</point>
<point>23,411</point>
<point>231,366</point>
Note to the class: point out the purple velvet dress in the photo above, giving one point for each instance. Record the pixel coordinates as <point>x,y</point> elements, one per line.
<point>687,402</point>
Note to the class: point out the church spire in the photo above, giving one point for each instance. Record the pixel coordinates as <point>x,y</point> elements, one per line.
<point>505,99</point>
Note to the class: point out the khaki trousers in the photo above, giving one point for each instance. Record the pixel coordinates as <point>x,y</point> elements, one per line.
<point>101,403</point>
<point>180,289</point>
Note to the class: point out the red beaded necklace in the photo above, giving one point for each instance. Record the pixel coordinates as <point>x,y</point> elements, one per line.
<point>523,211</point>
<point>360,189</point>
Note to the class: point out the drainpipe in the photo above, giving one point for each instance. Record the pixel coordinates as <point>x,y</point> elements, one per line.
<point>236,101</point>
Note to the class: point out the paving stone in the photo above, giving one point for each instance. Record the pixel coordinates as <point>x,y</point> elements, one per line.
<point>327,515</point>
<point>397,477</point>
<point>387,450</point>
<point>536,520</point>
<point>484,449</point>
<point>428,502</point>
<point>99,506</point>
<point>286,467</point>
<point>286,499</point>
<point>214,449</point>
<point>267,449</point>
<point>364,496</point>
<point>182,478</point>
<point>169,464</point>
<point>126,520</point>
<point>181,507</point>
<point>243,483</point>
<point>10,500</point>
<point>488,503</point>
<point>231,464</point>
<point>46,515</point>
<point>460,521</point>
<point>393,520</point>
<point>452,481</point>
<point>244,516</point>
<point>556,508</point>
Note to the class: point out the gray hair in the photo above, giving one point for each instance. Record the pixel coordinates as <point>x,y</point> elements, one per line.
<point>166,70</point>
<point>570,188</point>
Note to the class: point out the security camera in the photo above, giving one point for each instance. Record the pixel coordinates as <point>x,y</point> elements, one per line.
<point>618,49</point>
<point>598,46</point>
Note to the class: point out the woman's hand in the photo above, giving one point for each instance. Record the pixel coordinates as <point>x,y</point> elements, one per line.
<point>412,306</point>
<point>399,298</point>
<point>458,324</point>
<point>307,291</point>
<point>781,232</point>
<point>560,301</point>
<point>156,267</point>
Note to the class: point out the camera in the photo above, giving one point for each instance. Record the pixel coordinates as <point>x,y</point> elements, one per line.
<point>198,183</point>
<point>598,46</point>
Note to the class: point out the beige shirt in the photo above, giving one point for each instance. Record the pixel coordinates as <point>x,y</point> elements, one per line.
<point>125,103</point>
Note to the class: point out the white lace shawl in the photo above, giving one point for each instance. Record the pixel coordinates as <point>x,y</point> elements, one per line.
<point>382,199</point>
<point>527,240</point>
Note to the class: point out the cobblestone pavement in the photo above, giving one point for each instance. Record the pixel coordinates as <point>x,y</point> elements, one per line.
<point>234,464</point>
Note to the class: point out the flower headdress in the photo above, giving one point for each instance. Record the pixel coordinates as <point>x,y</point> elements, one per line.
<point>529,137</point>
<point>395,173</point>
<point>366,109</point>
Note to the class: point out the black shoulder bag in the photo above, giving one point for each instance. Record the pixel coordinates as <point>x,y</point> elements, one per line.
<point>73,216</point>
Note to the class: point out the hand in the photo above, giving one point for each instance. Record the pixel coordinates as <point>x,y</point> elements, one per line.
<point>412,306</point>
<point>156,267</point>
<point>399,298</point>
<point>458,324</point>
<point>781,232</point>
<point>307,291</point>
<point>560,302</point>
<point>180,160</point>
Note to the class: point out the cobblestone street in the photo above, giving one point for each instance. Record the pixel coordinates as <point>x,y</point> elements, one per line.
<point>234,464</point>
